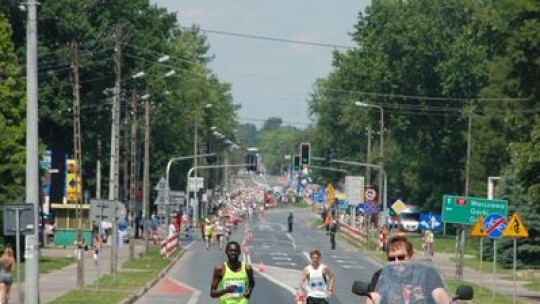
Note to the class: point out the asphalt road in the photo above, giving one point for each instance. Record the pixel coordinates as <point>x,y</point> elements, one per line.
<point>276,256</point>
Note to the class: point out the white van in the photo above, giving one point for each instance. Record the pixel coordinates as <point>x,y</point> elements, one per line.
<point>409,219</point>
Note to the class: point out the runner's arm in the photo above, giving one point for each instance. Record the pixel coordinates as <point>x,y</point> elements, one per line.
<point>303,278</point>
<point>251,280</point>
<point>331,280</point>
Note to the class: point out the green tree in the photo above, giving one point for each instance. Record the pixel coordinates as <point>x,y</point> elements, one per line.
<point>12,120</point>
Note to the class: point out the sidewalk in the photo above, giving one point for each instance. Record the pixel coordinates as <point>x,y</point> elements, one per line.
<point>55,284</point>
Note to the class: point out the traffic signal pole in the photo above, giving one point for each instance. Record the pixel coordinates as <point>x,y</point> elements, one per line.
<point>167,172</point>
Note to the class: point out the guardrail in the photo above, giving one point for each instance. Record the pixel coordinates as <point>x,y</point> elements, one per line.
<point>353,233</point>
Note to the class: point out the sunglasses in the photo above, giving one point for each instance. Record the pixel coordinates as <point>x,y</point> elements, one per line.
<point>397,258</point>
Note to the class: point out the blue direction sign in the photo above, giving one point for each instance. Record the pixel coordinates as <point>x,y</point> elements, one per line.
<point>321,196</point>
<point>494,225</point>
<point>431,222</point>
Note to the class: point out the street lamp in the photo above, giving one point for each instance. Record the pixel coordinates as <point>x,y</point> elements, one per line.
<point>381,133</point>
<point>195,152</point>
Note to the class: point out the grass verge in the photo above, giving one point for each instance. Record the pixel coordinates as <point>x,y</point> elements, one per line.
<point>109,289</point>
<point>481,294</point>
<point>46,265</point>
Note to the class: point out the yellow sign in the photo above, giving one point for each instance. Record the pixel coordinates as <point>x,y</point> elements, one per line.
<point>330,193</point>
<point>73,180</point>
<point>515,228</point>
<point>399,206</point>
<point>478,228</point>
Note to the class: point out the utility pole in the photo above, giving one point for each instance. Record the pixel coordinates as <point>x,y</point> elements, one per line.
<point>114,174</point>
<point>146,169</point>
<point>196,189</point>
<point>115,129</point>
<point>98,173</point>
<point>78,159</point>
<point>133,178</point>
<point>461,245</point>
<point>368,155</point>
<point>32,155</point>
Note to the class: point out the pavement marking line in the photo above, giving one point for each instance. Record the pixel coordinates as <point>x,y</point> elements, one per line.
<point>281,258</point>
<point>285,263</point>
<point>353,266</point>
<point>277,282</point>
<point>196,293</point>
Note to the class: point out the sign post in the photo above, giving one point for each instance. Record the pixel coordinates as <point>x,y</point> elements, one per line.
<point>515,229</point>
<point>19,219</point>
<point>494,225</point>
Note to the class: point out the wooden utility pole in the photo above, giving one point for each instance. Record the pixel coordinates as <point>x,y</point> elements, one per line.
<point>115,130</point>
<point>78,159</point>
<point>368,156</point>
<point>133,177</point>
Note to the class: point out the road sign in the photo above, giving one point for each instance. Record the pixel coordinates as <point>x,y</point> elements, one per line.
<point>25,212</point>
<point>515,228</point>
<point>430,221</point>
<point>321,196</point>
<point>107,210</point>
<point>354,189</point>
<point>399,206</point>
<point>161,185</point>
<point>371,194</point>
<point>195,183</point>
<point>478,228</point>
<point>176,197</point>
<point>370,207</point>
<point>494,225</point>
<point>466,210</point>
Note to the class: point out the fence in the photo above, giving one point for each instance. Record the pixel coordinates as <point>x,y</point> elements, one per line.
<point>353,233</point>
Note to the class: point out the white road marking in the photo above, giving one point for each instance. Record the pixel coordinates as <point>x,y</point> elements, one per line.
<point>285,263</point>
<point>353,266</point>
<point>282,258</point>
<point>278,253</point>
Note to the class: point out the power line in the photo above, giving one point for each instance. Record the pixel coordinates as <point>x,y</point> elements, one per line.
<point>417,97</point>
<point>267,38</point>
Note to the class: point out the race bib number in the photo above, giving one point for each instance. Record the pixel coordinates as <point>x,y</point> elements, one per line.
<point>240,287</point>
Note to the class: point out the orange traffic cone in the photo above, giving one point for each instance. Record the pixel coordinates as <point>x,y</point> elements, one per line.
<point>261,267</point>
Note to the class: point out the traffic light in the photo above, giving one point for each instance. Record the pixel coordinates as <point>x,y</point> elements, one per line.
<point>209,147</point>
<point>296,165</point>
<point>305,153</point>
<point>251,162</point>
<point>329,155</point>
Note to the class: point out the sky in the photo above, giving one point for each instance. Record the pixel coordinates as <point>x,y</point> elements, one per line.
<point>269,78</point>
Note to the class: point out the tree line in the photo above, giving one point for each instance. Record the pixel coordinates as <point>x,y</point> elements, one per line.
<point>450,76</point>
<point>149,32</point>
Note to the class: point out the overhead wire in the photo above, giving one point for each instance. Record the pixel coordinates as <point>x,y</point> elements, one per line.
<point>272,39</point>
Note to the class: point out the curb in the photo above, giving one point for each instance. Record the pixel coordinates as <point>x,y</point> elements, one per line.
<point>131,299</point>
